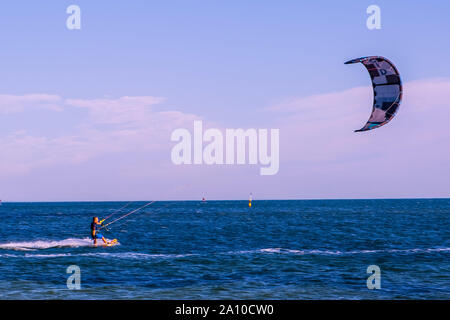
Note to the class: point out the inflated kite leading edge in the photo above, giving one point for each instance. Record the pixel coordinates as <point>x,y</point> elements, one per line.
<point>387,90</point>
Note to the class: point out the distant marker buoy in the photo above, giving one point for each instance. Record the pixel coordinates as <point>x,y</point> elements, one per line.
<point>250,201</point>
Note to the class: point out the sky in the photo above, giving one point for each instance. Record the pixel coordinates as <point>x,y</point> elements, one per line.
<point>87,115</point>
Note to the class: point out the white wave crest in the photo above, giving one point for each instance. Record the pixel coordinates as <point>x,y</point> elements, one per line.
<point>46,244</point>
<point>337,252</point>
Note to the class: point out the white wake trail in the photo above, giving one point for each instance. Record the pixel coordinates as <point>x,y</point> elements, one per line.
<point>46,244</point>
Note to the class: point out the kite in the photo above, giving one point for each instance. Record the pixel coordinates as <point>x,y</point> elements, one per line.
<point>387,90</point>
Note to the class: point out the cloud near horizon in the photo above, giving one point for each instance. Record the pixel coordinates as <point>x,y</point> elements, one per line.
<point>109,126</point>
<point>10,104</point>
<point>318,145</point>
<point>407,157</point>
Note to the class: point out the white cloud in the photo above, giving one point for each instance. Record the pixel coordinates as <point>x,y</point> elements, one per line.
<point>131,126</point>
<point>124,111</point>
<point>16,103</point>
<point>410,154</point>
<point>320,154</point>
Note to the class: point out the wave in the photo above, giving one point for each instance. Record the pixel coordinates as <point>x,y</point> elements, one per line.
<point>120,255</point>
<point>26,246</point>
<point>136,255</point>
<point>47,244</point>
<point>337,252</point>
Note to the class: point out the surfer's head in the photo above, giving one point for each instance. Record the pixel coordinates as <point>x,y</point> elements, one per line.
<point>95,219</point>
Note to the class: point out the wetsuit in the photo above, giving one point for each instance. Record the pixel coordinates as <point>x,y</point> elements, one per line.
<point>96,227</point>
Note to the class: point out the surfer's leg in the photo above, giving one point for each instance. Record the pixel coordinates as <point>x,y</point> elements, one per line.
<point>104,240</point>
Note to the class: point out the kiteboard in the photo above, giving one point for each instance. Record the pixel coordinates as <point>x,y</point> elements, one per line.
<point>111,243</point>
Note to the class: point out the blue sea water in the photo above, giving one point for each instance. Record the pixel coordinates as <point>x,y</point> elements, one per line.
<point>317,249</point>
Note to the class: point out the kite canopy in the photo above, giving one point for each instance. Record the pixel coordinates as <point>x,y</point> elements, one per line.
<point>387,90</point>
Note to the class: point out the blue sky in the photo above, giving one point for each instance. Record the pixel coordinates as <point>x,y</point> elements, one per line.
<point>226,62</point>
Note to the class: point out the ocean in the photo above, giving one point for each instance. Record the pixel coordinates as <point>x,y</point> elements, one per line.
<point>300,249</point>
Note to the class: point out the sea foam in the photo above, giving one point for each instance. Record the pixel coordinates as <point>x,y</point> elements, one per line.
<point>46,244</point>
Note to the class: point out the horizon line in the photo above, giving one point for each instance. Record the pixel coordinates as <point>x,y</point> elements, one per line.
<point>216,200</point>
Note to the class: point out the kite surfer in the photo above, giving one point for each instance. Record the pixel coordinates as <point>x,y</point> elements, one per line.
<point>95,226</point>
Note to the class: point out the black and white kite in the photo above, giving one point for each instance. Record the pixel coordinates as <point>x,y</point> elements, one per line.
<point>387,90</point>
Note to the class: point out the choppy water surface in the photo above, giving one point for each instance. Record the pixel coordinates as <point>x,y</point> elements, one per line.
<point>223,249</point>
